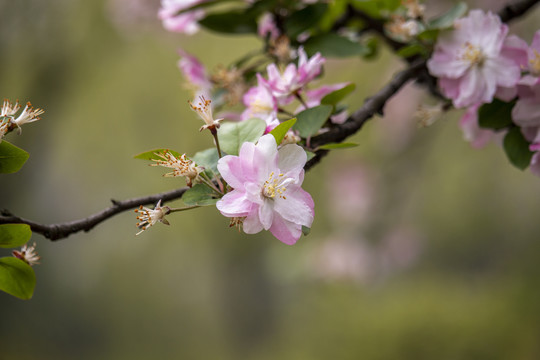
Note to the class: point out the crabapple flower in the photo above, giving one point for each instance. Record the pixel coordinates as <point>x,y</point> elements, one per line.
<point>534,56</point>
<point>267,191</point>
<point>282,85</point>
<point>149,217</point>
<point>535,164</point>
<point>526,113</point>
<point>8,109</point>
<point>204,110</point>
<point>313,98</point>
<point>7,116</point>
<point>195,73</point>
<point>28,254</point>
<point>28,115</point>
<point>181,166</point>
<point>469,60</point>
<point>472,132</point>
<point>261,104</point>
<point>183,23</point>
<point>267,27</point>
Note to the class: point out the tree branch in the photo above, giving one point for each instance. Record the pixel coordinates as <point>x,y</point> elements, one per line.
<point>373,105</point>
<point>516,9</point>
<point>63,230</point>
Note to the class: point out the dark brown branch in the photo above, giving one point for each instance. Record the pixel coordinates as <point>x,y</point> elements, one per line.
<point>516,9</point>
<point>373,105</point>
<point>63,230</point>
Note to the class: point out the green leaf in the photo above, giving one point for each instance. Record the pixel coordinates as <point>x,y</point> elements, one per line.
<point>310,155</point>
<point>310,120</point>
<point>208,159</point>
<point>305,230</point>
<point>151,154</point>
<point>280,130</point>
<point>17,278</point>
<point>11,157</point>
<point>447,19</point>
<point>14,235</point>
<point>429,36</point>
<point>496,115</point>
<point>337,146</point>
<point>376,8</point>
<point>517,148</point>
<point>336,9</point>
<point>411,50</point>
<point>334,45</point>
<point>233,134</point>
<point>336,96</point>
<point>203,5</point>
<point>304,19</point>
<point>233,22</point>
<point>200,195</point>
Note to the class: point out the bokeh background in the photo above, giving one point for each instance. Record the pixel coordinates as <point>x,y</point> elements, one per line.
<point>422,247</point>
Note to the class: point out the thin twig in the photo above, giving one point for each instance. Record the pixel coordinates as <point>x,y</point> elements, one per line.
<point>63,230</point>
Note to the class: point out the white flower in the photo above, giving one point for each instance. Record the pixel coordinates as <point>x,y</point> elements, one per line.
<point>204,110</point>
<point>28,254</point>
<point>28,115</point>
<point>182,166</point>
<point>150,217</point>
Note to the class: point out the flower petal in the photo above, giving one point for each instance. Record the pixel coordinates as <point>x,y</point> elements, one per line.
<point>285,231</point>
<point>234,204</point>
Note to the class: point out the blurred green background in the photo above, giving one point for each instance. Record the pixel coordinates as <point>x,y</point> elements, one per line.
<point>422,247</point>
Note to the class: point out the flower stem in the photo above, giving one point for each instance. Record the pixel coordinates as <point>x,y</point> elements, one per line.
<point>183,209</point>
<point>299,97</point>
<point>214,134</point>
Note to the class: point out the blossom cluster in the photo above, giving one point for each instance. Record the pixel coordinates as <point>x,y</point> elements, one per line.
<point>477,62</point>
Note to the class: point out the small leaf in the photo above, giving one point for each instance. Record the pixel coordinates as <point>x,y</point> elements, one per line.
<point>232,135</point>
<point>234,22</point>
<point>17,278</point>
<point>336,96</point>
<point>305,230</point>
<point>429,36</point>
<point>310,120</point>
<point>337,146</point>
<point>376,8</point>
<point>447,19</point>
<point>151,154</point>
<point>411,50</point>
<point>280,130</point>
<point>12,158</point>
<point>496,115</point>
<point>208,159</point>
<point>517,148</point>
<point>200,195</point>
<point>334,45</point>
<point>304,19</point>
<point>14,235</point>
<point>310,155</point>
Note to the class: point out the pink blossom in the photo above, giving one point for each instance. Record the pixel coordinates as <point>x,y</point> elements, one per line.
<point>267,191</point>
<point>472,132</point>
<point>469,60</point>
<point>260,103</point>
<point>314,97</point>
<point>182,23</point>
<point>194,72</point>
<point>282,85</point>
<point>535,164</point>
<point>267,27</point>
<point>526,113</point>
